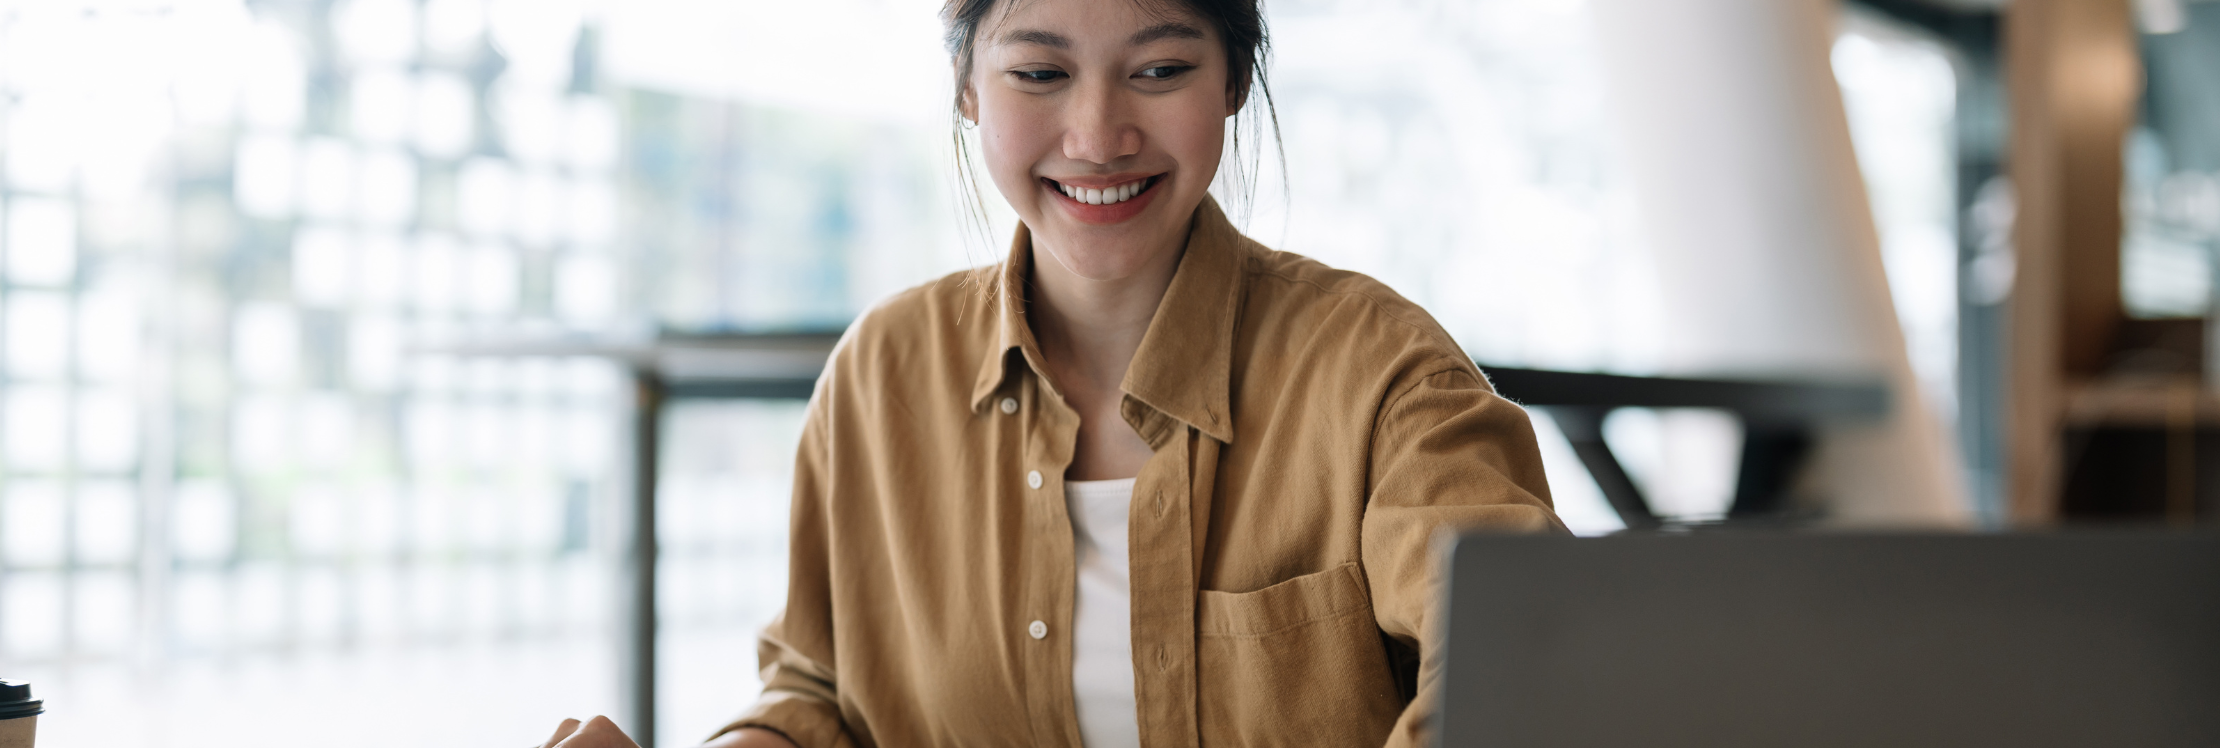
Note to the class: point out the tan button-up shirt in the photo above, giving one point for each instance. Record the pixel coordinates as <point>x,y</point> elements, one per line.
<point>1312,432</point>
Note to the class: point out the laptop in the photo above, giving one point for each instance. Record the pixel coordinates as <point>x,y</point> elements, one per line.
<point>1819,640</point>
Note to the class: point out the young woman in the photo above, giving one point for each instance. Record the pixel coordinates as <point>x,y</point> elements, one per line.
<point>1145,481</point>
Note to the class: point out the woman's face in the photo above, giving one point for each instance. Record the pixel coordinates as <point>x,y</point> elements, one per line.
<point>1102,123</point>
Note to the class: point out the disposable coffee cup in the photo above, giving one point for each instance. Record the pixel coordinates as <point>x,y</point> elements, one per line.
<point>19,714</point>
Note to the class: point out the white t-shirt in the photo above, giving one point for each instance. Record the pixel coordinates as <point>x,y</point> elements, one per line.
<point>1102,637</point>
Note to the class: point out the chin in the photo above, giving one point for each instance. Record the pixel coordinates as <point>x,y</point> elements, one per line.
<point>1097,259</point>
<point>1088,246</point>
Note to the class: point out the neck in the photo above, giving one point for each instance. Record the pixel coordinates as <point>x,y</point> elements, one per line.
<point>1089,330</point>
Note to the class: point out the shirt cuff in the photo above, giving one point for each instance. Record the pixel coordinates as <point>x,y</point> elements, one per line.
<point>807,721</point>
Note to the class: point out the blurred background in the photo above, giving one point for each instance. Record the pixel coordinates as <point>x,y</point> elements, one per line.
<point>247,498</point>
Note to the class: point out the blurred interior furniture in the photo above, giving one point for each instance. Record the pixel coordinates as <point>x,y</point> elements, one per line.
<point>2073,75</point>
<point>2071,410</point>
<point>1779,421</point>
<point>663,369</point>
<point>2105,412</point>
<point>1768,256</point>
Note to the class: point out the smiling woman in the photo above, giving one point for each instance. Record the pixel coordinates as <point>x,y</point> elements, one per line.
<point>1238,28</point>
<point>1146,480</point>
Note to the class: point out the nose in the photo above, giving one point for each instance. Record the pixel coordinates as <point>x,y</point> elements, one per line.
<point>1100,126</point>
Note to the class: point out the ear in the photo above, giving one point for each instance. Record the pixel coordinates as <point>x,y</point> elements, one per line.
<point>1236,96</point>
<point>967,100</point>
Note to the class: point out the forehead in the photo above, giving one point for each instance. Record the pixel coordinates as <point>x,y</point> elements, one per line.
<point>1068,24</point>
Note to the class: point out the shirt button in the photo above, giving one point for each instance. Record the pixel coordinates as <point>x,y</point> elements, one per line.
<point>1009,405</point>
<point>1033,479</point>
<point>1038,630</point>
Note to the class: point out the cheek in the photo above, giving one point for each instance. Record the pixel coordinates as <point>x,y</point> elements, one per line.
<point>1192,130</point>
<point>1013,139</point>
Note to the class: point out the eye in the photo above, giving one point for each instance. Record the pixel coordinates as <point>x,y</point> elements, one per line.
<point>1038,76</point>
<point>1165,72</point>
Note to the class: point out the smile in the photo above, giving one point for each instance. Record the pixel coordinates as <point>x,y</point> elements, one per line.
<point>1111,195</point>
<point>1111,200</point>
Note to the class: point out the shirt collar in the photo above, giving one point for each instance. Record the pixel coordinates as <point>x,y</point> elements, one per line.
<point>1184,367</point>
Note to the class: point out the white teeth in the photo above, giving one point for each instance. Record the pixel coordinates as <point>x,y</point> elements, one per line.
<point>1104,196</point>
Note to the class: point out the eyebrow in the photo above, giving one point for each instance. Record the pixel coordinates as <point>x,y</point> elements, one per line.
<point>1162,31</point>
<point>1154,33</point>
<point>1036,36</point>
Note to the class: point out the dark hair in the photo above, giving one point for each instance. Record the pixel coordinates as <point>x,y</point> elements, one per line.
<point>1240,26</point>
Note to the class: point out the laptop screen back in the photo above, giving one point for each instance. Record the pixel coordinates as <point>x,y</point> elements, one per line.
<point>1834,640</point>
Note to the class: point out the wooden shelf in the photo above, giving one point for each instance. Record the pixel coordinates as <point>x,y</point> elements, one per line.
<point>2154,402</point>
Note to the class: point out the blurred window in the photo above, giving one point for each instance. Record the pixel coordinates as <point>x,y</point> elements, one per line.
<point>1900,93</point>
<point>2172,200</point>
<point>235,506</point>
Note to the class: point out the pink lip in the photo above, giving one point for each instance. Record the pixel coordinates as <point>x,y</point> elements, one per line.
<point>1103,215</point>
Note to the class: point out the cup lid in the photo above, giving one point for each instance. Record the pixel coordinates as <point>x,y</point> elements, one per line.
<point>16,701</point>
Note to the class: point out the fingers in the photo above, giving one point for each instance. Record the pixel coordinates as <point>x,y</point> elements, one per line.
<point>561,731</point>
<point>598,732</point>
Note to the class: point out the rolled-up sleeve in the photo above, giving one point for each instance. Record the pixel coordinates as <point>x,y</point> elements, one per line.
<point>800,689</point>
<point>1447,453</point>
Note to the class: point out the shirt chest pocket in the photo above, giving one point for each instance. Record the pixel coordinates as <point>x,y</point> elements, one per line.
<point>1307,599</point>
<point>1298,663</point>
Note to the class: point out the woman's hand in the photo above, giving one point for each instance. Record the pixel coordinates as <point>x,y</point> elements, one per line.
<point>602,733</point>
<point>596,733</point>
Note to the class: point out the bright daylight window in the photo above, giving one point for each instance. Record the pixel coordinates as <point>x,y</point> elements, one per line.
<point>2171,204</point>
<point>1900,90</point>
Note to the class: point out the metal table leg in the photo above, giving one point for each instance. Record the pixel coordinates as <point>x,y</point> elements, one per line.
<point>636,582</point>
<point>1583,426</point>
